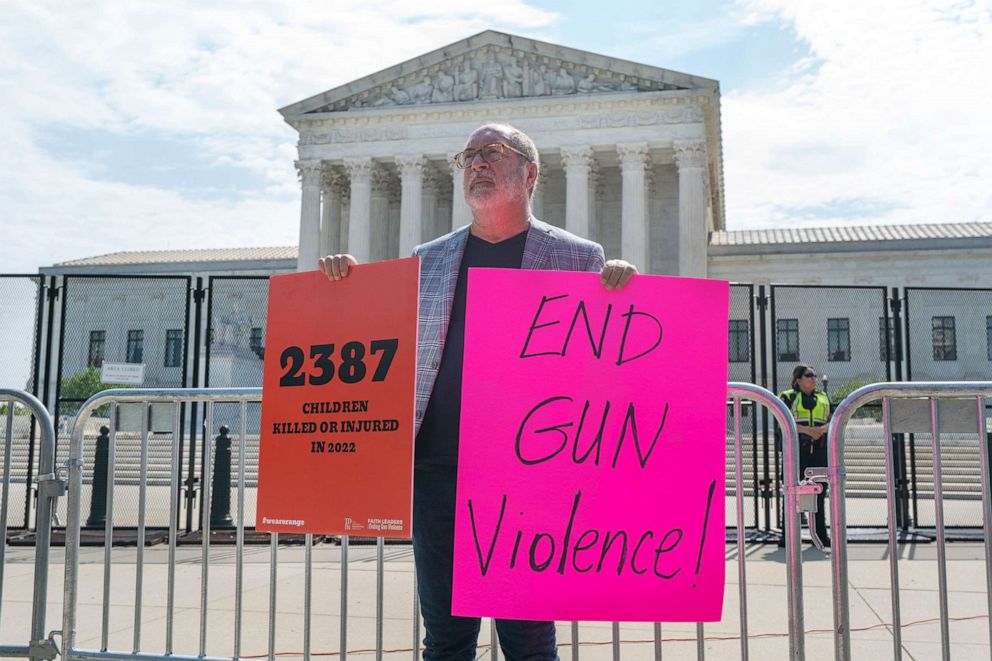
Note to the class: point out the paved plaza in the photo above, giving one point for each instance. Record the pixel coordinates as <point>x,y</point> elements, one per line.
<point>766,594</point>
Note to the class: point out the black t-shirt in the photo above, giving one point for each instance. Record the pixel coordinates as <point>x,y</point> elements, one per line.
<point>437,442</point>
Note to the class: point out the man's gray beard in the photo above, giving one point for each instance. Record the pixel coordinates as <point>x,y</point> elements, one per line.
<point>516,192</point>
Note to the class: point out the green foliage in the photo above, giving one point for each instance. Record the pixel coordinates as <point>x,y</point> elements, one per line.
<point>18,410</point>
<point>837,395</point>
<point>82,386</point>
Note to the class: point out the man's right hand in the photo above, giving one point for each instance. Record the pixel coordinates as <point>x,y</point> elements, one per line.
<point>336,267</point>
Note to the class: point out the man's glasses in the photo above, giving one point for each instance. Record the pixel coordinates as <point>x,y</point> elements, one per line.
<point>490,154</point>
<point>809,375</point>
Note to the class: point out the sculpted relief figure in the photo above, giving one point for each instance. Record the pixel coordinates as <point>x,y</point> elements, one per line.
<point>537,82</point>
<point>591,84</point>
<point>467,88</point>
<point>587,84</point>
<point>400,97</point>
<point>489,77</point>
<point>443,88</point>
<point>513,80</point>
<point>564,83</point>
<point>549,79</point>
<point>492,73</point>
<point>422,91</point>
<point>492,80</point>
<point>396,97</point>
<point>606,86</point>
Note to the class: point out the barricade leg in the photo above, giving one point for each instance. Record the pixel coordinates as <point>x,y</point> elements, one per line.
<point>38,645</point>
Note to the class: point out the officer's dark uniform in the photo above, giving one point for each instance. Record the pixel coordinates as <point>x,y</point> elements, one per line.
<point>811,411</point>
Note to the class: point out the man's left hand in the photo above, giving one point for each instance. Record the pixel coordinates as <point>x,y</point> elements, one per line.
<point>617,273</point>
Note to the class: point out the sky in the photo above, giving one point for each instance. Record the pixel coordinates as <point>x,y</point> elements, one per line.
<point>141,126</point>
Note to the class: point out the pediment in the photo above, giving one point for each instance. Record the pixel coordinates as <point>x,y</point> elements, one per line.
<point>493,66</point>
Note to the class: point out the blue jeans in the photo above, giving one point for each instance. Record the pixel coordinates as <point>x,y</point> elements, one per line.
<point>452,638</point>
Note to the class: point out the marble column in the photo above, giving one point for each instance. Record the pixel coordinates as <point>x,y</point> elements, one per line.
<point>577,162</point>
<point>309,250</point>
<point>633,209</point>
<point>381,244</point>
<point>343,193</point>
<point>331,185</point>
<point>411,169</point>
<point>360,212</point>
<point>537,199</point>
<point>429,207</point>
<point>690,157</point>
<point>461,214</point>
<point>594,194</point>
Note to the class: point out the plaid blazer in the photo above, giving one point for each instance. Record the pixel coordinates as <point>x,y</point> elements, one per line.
<point>547,248</point>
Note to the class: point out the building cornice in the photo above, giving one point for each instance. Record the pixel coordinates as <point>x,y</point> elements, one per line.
<point>825,249</point>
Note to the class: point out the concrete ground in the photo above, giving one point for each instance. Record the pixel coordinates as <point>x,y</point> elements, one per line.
<point>766,598</point>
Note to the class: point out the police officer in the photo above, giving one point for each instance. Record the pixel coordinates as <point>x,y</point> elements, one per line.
<point>811,409</point>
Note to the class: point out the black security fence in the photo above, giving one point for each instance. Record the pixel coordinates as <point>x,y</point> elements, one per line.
<point>235,344</point>
<point>839,331</point>
<point>116,331</point>
<point>173,331</point>
<point>948,334</point>
<point>234,351</point>
<point>948,337</point>
<point>22,301</point>
<point>756,460</point>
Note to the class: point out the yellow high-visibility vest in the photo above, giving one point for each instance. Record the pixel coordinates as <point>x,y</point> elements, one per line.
<point>819,415</point>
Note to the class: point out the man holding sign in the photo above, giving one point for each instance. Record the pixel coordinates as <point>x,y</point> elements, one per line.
<point>501,167</point>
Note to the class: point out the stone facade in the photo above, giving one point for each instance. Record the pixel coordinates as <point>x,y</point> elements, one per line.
<point>630,154</point>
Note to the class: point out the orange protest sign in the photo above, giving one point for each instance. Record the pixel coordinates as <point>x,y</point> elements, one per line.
<point>336,446</point>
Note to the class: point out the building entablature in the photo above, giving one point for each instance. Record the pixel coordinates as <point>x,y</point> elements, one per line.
<point>554,125</point>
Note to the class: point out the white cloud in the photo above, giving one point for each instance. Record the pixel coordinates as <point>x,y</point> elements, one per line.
<point>888,115</point>
<point>892,118</point>
<point>685,37</point>
<point>210,74</point>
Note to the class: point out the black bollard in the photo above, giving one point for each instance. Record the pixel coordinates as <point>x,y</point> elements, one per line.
<point>220,486</point>
<point>98,497</point>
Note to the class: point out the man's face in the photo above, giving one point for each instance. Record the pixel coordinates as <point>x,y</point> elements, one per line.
<point>490,185</point>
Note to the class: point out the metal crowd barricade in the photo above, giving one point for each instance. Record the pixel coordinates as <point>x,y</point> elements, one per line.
<point>146,397</point>
<point>243,396</point>
<point>794,490</point>
<point>930,394</point>
<point>50,487</point>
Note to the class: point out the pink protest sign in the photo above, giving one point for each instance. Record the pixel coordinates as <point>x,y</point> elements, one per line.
<point>591,458</point>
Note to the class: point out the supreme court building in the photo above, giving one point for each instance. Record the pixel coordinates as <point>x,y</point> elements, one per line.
<point>631,157</point>
<point>630,154</point>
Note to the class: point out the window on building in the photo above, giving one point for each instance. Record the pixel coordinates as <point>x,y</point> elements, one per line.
<point>135,346</point>
<point>173,348</point>
<point>886,340</point>
<point>98,342</point>
<point>740,341</point>
<point>988,336</point>
<point>945,343</point>
<point>839,339</point>
<point>255,342</point>
<point>787,340</point>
